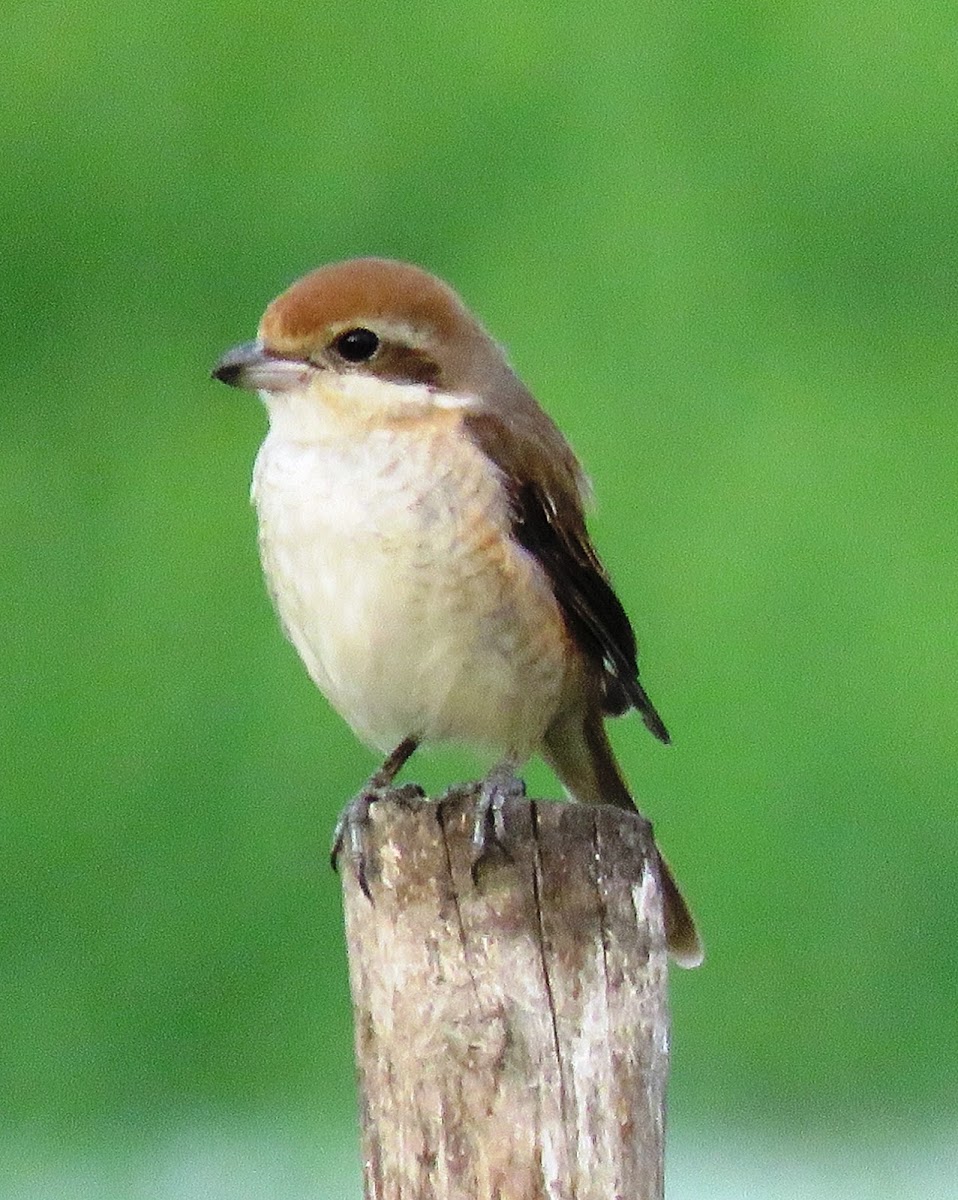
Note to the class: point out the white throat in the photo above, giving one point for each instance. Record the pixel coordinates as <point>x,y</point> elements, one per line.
<point>334,404</point>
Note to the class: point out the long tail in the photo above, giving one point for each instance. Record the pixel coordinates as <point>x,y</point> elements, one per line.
<point>579,752</point>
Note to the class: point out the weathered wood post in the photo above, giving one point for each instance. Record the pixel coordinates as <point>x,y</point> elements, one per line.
<point>511,1037</point>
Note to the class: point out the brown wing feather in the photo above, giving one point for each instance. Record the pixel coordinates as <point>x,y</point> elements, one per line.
<point>548,522</point>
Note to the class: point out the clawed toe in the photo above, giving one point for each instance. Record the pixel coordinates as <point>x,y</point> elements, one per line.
<point>489,833</point>
<point>500,786</point>
<point>352,828</point>
<point>350,834</point>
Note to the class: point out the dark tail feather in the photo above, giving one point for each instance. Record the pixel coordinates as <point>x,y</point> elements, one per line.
<point>682,937</point>
<point>579,753</point>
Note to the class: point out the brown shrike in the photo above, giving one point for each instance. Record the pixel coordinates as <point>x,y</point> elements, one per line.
<point>422,531</point>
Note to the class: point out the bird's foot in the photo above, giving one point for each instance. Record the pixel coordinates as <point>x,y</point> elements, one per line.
<point>352,828</point>
<point>501,785</point>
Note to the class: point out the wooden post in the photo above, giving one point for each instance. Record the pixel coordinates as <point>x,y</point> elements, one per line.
<point>511,1037</point>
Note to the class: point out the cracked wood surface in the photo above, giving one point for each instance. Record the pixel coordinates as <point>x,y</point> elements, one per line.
<point>511,1038</point>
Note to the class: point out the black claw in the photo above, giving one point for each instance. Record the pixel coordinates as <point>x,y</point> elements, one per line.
<point>351,832</point>
<point>361,877</point>
<point>353,821</point>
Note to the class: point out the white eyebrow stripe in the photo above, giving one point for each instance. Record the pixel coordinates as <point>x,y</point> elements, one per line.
<point>453,401</point>
<point>386,330</point>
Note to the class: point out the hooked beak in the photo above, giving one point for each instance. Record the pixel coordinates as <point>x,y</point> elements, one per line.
<point>253,367</point>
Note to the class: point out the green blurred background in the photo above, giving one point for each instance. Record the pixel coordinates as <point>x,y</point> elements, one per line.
<point>719,241</point>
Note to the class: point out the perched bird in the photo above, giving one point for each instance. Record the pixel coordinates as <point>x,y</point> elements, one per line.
<point>422,533</point>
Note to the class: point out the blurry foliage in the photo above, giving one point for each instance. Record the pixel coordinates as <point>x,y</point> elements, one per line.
<point>719,241</point>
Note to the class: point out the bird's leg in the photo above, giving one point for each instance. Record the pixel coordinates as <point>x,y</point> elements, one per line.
<point>501,785</point>
<point>350,829</point>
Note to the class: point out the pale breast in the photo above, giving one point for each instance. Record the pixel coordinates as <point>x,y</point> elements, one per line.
<point>389,560</point>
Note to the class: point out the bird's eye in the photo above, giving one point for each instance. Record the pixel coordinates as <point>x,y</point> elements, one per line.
<point>356,345</point>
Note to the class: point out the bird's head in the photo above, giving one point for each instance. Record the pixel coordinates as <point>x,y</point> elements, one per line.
<point>365,342</point>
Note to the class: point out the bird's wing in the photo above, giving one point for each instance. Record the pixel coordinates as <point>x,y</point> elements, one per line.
<point>545,488</point>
